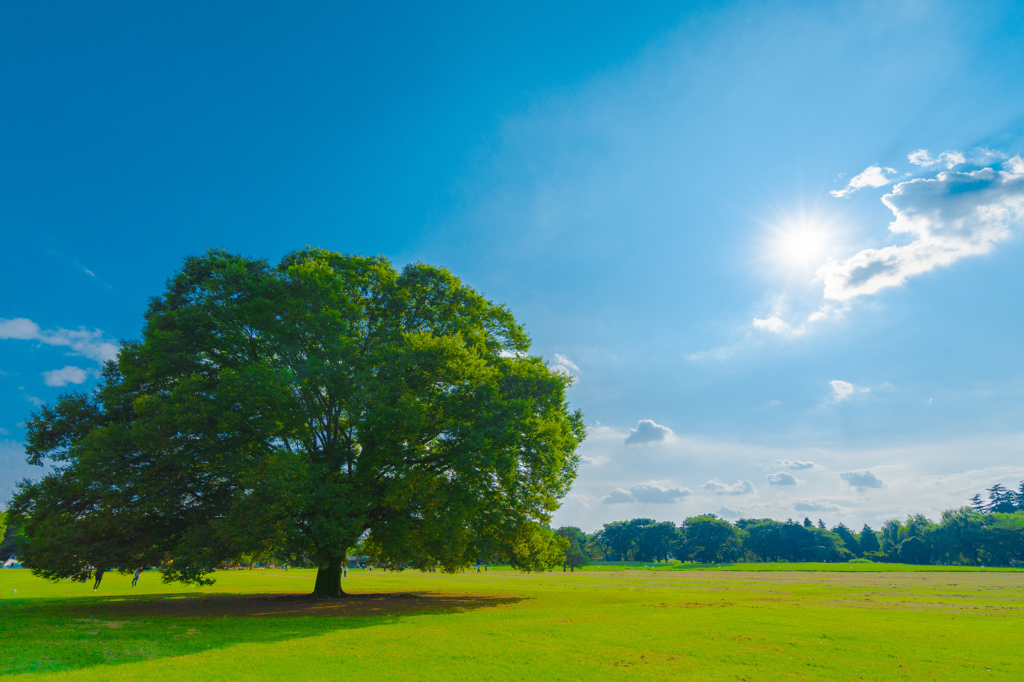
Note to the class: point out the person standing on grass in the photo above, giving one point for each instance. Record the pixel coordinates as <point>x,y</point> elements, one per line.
<point>135,579</point>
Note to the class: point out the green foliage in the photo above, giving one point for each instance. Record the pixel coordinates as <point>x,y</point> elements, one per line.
<point>293,411</point>
<point>1000,500</point>
<point>849,541</point>
<point>575,554</point>
<point>913,550</point>
<point>617,540</point>
<point>636,540</point>
<point>708,539</point>
<point>868,540</point>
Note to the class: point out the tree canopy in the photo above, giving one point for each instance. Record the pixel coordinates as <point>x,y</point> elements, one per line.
<point>303,409</point>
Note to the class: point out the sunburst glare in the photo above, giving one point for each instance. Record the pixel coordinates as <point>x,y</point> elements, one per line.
<point>802,243</point>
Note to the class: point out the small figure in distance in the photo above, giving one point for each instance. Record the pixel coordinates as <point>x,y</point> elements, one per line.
<point>135,579</point>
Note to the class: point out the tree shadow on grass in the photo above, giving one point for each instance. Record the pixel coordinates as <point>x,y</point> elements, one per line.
<point>66,634</point>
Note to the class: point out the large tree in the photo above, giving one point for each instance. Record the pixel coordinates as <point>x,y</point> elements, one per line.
<point>575,541</point>
<point>301,409</point>
<point>708,539</point>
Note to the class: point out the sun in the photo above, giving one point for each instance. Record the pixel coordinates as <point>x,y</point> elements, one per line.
<point>803,244</point>
<point>796,243</point>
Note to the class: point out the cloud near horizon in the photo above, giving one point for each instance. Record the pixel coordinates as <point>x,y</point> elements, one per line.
<point>647,493</point>
<point>815,506</point>
<point>741,487</point>
<point>861,479</point>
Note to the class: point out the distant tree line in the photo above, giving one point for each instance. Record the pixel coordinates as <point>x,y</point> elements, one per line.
<point>989,533</point>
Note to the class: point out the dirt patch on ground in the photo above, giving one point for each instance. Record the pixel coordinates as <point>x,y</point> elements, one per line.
<point>276,605</point>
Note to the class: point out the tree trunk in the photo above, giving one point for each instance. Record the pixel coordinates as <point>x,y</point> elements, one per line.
<point>328,579</point>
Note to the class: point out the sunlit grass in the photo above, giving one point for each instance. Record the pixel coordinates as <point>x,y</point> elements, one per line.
<point>718,623</point>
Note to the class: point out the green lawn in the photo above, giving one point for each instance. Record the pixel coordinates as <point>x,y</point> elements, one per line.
<point>721,623</point>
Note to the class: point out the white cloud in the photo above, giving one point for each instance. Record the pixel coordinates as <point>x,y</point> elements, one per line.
<point>741,487</point>
<point>18,328</point>
<point>618,496</point>
<point>775,325</point>
<point>872,176</point>
<point>842,390</point>
<point>782,478</point>
<point>68,375</point>
<point>728,512</point>
<point>91,344</point>
<point>794,464</point>
<point>38,402</point>
<point>652,493</point>
<point>563,365</point>
<point>815,506</point>
<point>861,479</point>
<point>951,216</point>
<point>949,159</point>
<point>647,431</point>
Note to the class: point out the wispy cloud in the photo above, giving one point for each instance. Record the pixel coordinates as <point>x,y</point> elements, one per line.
<point>794,464</point>
<point>949,160</point>
<point>872,176</point>
<point>647,431</point>
<point>91,344</point>
<point>563,365</point>
<point>815,506</point>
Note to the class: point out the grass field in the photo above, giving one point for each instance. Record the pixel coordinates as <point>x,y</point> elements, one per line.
<point>833,623</point>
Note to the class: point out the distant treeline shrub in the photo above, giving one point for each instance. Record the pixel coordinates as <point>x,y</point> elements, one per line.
<point>985,533</point>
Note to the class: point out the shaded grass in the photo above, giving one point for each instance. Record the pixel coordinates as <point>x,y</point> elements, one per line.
<point>688,624</point>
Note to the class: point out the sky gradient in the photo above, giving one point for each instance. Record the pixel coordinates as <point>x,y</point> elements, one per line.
<point>779,244</point>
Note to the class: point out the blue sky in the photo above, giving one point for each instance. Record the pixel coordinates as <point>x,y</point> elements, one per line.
<point>777,243</point>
